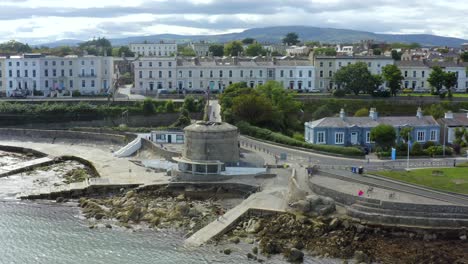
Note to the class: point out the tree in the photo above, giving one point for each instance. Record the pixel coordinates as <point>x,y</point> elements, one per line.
<point>252,108</point>
<point>392,74</point>
<point>325,51</point>
<point>170,107</point>
<point>97,47</point>
<point>354,78</point>
<point>312,44</point>
<point>148,107</point>
<point>363,112</point>
<point>321,112</point>
<point>255,49</point>
<point>187,52</point>
<point>13,47</point>
<point>405,133</point>
<point>376,82</point>
<point>216,50</point>
<point>436,78</point>
<point>233,48</point>
<point>396,55</point>
<point>377,51</point>
<point>383,135</point>
<point>464,56</point>
<point>227,97</point>
<point>450,80</point>
<point>291,38</point>
<point>183,120</point>
<point>248,41</point>
<point>435,110</point>
<point>189,104</point>
<point>125,51</point>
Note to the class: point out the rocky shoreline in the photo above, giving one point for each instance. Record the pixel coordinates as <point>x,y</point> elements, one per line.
<point>154,210</point>
<point>343,238</point>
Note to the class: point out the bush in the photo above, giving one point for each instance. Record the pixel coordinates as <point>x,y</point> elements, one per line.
<point>321,112</point>
<point>76,93</point>
<point>148,107</point>
<point>38,93</point>
<point>299,137</point>
<point>429,144</point>
<point>363,112</point>
<point>265,134</point>
<point>417,149</point>
<point>170,108</point>
<point>381,93</point>
<point>339,93</point>
<point>442,95</point>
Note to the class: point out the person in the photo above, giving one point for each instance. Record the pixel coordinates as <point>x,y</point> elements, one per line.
<point>454,162</point>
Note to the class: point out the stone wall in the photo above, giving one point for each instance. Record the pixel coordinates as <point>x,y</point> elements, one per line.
<point>52,136</point>
<point>149,145</point>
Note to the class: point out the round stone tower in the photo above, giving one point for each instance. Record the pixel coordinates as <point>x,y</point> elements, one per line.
<point>211,141</point>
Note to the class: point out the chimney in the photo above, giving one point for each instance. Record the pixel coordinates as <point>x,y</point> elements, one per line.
<point>373,114</point>
<point>448,115</point>
<point>419,113</point>
<point>342,114</point>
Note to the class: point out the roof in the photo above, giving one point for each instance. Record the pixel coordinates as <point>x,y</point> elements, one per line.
<point>355,57</point>
<point>458,120</point>
<point>411,63</point>
<point>210,127</point>
<point>396,121</point>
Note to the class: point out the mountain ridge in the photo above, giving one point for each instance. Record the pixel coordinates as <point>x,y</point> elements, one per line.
<point>274,35</point>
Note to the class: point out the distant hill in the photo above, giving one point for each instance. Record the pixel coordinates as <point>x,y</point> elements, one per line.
<point>275,34</point>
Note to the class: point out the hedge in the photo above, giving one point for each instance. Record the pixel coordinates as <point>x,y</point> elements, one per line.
<point>265,134</point>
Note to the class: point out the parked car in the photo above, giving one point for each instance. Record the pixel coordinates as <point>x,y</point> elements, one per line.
<point>314,91</point>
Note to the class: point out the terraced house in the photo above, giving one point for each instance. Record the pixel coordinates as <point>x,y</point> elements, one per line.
<point>38,75</point>
<point>348,131</point>
<point>198,74</point>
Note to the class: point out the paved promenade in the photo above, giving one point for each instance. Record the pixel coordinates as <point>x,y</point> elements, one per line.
<point>111,169</point>
<point>272,200</point>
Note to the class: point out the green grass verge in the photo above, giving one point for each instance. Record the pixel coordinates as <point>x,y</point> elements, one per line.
<point>444,179</point>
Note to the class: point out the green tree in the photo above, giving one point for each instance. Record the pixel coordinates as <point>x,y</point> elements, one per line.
<point>392,74</point>
<point>396,55</point>
<point>354,78</point>
<point>325,51</point>
<point>252,108</point>
<point>13,47</point>
<point>125,51</point>
<point>148,107</point>
<point>321,112</point>
<point>170,107</point>
<point>450,80</point>
<point>312,44</point>
<point>255,49</point>
<point>248,41</point>
<point>376,81</point>
<point>377,51</point>
<point>436,78</point>
<point>405,133</point>
<point>383,135</point>
<point>216,50</point>
<point>97,47</point>
<point>227,97</point>
<point>435,110</point>
<point>187,52</point>
<point>233,48</point>
<point>464,56</point>
<point>189,104</point>
<point>291,38</point>
<point>183,120</point>
<point>363,112</point>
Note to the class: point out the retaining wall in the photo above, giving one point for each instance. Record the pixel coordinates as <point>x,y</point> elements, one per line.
<point>60,135</point>
<point>149,145</point>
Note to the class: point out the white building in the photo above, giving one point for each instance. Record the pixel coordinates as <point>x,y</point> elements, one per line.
<point>171,73</point>
<point>416,74</point>
<point>298,50</point>
<point>154,49</point>
<point>344,50</point>
<point>201,48</point>
<point>2,76</point>
<point>36,75</point>
<point>327,66</point>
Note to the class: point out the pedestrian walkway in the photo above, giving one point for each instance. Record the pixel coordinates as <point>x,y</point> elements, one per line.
<point>18,167</point>
<point>271,200</point>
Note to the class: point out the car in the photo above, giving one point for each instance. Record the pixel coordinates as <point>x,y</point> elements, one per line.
<point>314,91</point>
<point>163,91</point>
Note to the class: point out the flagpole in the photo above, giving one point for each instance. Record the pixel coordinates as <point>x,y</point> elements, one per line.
<point>407,161</point>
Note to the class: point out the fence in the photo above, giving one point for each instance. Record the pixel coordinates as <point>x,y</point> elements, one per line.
<point>283,155</point>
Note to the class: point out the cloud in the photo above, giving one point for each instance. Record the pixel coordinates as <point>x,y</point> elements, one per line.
<point>39,20</point>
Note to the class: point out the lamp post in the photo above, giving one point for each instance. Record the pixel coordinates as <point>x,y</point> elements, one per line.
<point>445,137</point>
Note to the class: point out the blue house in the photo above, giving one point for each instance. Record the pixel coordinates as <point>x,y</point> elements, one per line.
<point>349,131</point>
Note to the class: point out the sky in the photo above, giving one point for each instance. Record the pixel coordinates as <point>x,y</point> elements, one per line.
<point>42,21</point>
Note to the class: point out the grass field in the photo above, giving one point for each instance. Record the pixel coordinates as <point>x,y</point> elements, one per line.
<point>445,179</point>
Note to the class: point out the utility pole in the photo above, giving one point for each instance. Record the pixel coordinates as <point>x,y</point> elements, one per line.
<point>409,143</point>
<point>445,136</point>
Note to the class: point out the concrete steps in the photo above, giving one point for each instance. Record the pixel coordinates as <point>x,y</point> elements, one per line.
<point>129,149</point>
<point>376,210</point>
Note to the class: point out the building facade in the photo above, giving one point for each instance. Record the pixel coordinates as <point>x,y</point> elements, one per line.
<point>37,75</point>
<point>449,123</point>
<point>198,74</point>
<point>327,66</point>
<point>2,76</point>
<point>417,72</point>
<point>154,49</point>
<point>202,49</point>
<point>349,131</point>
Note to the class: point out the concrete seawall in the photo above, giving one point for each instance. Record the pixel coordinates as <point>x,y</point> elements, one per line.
<point>51,136</point>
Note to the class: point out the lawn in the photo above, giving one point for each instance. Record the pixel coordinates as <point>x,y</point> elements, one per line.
<point>445,179</point>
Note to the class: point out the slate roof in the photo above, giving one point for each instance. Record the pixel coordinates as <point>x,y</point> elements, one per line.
<point>395,121</point>
<point>458,120</point>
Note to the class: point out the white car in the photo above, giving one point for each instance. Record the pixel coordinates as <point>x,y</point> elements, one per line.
<point>314,91</point>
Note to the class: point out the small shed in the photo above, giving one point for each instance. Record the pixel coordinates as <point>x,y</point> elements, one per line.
<point>168,136</point>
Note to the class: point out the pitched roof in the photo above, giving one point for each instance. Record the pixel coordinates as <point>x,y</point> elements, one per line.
<point>458,120</point>
<point>396,121</point>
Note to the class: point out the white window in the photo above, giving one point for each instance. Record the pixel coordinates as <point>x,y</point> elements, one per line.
<point>321,138</point>
<point>339,138</point>
<point>433,135</point>
<point>368,137</point>
<point>421,136</point>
